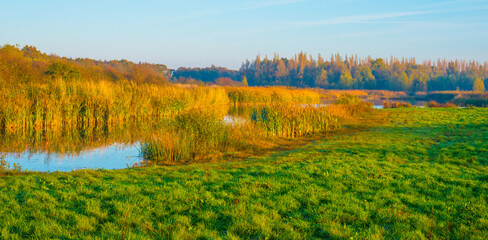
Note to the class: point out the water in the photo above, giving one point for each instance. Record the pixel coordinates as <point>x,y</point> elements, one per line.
<point>73,150</point>
<point>378,104</point>
<point>115,156</point>
<point>234,120</point>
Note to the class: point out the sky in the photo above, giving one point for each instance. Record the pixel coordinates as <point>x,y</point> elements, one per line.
<point>196,33</point>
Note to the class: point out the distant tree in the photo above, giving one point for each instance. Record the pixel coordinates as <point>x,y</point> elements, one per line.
<point>381,73</point>
<point>281,70</point>
<point>363,78</point>
<point>404,81</point>
<point>478,85</point>
<point>244,81</point>
<point>345,79</point>
<point>452,69</point>
<point>62,70</point>
<point>321,79</point>
<point>32,52</point>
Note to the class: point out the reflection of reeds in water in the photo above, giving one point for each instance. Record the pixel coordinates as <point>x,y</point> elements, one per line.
<point>72,141</point>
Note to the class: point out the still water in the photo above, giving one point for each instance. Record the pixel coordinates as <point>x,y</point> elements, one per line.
<point>115,156</point>
<point>105,149</point>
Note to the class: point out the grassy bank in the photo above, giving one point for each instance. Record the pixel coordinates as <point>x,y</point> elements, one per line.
<point>421,175</point>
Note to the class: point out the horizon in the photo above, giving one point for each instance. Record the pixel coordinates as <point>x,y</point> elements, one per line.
<point>222,33</point>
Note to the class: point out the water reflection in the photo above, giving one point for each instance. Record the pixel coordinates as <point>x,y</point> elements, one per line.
<point>114,147</point>
<point>115,156</point>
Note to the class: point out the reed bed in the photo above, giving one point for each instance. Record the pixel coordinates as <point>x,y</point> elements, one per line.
<point>294,121</point>
<point>471,101</point>
<point>82,104</point>
<point>193,136</point>
<point>197,135</point>
<point>332,94</point>
<point>434,104</point>
<point>271,95</point>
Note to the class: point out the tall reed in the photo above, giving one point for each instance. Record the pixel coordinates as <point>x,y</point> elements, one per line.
<point>193,136</point>
<point>271,95</point>
<point>294,121</point>
<point>36,107</point>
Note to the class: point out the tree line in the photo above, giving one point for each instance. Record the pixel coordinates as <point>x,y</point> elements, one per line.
<point>339,72</point>
<point>27,64</point>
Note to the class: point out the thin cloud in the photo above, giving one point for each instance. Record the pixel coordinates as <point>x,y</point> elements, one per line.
<point>362,18</point>
<point>376,18</point>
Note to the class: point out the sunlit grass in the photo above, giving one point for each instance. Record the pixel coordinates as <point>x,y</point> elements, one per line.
<point>421,175</point>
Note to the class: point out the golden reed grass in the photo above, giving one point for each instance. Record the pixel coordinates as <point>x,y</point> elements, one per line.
<point>271,95</point>
<point>88,103</point>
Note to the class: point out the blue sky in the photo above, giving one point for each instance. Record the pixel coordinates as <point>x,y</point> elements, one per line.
<point>224,33</point>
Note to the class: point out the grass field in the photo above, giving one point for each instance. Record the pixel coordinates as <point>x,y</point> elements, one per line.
<point>421,174</point>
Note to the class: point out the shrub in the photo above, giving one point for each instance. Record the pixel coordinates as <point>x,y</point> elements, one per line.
<point>348,99</point>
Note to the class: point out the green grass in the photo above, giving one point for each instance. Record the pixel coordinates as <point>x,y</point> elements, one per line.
<point>421,175</point>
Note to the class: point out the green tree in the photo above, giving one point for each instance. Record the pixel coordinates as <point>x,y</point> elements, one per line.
<point>345,80</point>
<point>381,73</point>
<point>478,85</point>
<point>321,79</point>
<point>364,78</point>
<point>62,70</point>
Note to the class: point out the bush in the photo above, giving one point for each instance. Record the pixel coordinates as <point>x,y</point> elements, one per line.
<point>348,99</point>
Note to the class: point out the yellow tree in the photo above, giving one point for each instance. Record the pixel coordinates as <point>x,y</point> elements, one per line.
<point>478,86</point>
<point>345,80</point>
<point>244,81</point>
